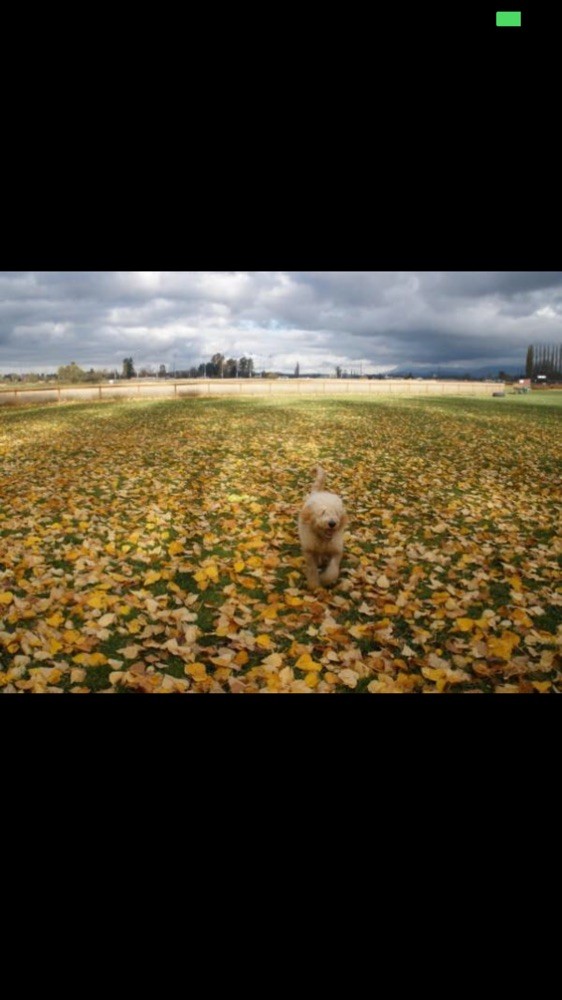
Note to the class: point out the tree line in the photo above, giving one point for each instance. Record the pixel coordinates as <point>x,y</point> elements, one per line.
<point>544,359</point>
<point>217,367</point>
<point>221,367</point>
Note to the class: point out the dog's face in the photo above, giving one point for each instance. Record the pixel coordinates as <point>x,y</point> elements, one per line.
<point>325,516</point>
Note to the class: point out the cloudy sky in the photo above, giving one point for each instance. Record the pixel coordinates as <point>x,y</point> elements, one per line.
<point>374,321</point>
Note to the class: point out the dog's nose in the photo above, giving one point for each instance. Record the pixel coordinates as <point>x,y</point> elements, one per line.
<point>331,524</point>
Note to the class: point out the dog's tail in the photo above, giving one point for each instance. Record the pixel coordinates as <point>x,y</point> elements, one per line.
<point>320,481</point>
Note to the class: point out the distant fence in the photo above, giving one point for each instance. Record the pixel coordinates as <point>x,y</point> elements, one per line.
<point>247,387</point>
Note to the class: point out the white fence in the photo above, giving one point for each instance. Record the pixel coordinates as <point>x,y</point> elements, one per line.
<point>248,387</point>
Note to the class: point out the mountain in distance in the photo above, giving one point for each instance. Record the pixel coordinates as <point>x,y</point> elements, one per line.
<point>483,371</point>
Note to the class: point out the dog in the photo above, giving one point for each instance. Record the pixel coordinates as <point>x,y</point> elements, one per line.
<point>322,520</point>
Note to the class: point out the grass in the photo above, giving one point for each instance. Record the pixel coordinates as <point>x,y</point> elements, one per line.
<point>173,522</point>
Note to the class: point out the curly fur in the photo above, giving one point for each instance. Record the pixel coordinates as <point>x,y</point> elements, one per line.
<point>322,520</point>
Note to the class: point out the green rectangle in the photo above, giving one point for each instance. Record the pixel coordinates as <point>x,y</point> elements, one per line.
<point>508,19</point>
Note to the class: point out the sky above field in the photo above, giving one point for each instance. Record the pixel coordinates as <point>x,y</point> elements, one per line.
<point>363,321</point>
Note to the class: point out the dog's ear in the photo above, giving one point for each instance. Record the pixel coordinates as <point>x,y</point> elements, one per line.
<point>344,520</point>
<point>306,515</point>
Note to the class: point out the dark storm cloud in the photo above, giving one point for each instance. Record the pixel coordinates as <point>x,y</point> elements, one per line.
<point>468,284</point>
<point>319,319</point>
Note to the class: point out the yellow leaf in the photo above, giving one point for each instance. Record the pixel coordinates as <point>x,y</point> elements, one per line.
<point>305,662</point>
<point>152,577</point>
<point>239,565</point>
<point>264,641</point>
<point>433,674</point>
<point>55,620</point>
<point>54,646</point>
<point>440,597</point>
<point>407,681</point>
<point>311,679</point>
<point>482,622</point>
<point>293,602</point>
<point>241,658</point>
<point>97,600</point>
<point>358,631</point>
<point>522,618</point>
<point>77,674</point>
<point>465,624</point>
<point>391,609</point>
<point>96,659</point>
<point>502,648</point>
<point>270,611</point>
<point>90,659</point>
<point>383,623</point>
<point>196,670</point>
<point>273,660</point>
<point>542,686</point>
<point>6,597</point>
<point>255,508</point>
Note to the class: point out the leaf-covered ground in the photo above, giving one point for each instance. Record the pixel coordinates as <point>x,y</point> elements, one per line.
<point>152,547</point>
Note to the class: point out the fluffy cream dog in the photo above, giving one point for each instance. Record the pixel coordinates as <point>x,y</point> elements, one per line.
<point>322,520</point>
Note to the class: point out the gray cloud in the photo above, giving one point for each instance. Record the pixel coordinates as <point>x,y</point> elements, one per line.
<point>381,320</point>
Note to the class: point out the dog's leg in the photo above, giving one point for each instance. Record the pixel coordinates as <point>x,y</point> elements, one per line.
<point>311,570</point>
<point>331,573</point>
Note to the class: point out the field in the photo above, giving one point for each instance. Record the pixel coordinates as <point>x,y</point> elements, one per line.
<point>151,546</point>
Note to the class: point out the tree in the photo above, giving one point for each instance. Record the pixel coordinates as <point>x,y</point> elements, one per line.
<point>71,373</point>
<point>338,371</point>
<point>529,362</point>
<point>230,367</point>
<point>162,371</point>
<point>128,368</point>
<point>245,367</point>
<point>297,370</point>
<point>217,362</point>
